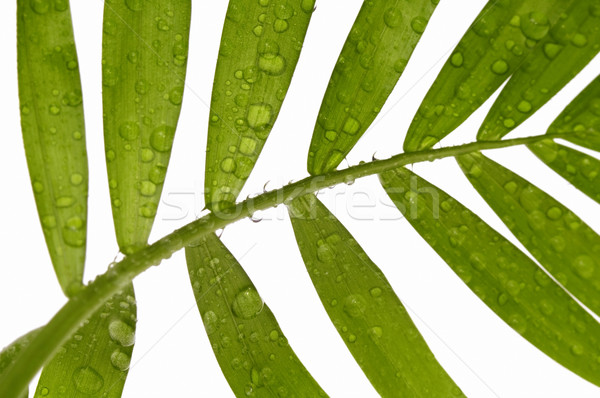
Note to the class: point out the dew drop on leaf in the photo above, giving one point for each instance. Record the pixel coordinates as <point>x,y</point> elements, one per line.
<point>247,303</point>
<point>87,380</point>
<point>121,333</point>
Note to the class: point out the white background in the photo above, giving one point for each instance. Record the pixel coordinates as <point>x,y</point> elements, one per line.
<point>172,356</point>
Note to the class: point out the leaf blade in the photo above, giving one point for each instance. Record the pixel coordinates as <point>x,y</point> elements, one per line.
<point>95,361</point>
<point>372,60</point>
<point>237,312</point>
<point>476,69</point>
<point>580,120</point>
<point>9,354</point>
<point>368,315</point>
<point>254,82</point>
<point>144,47</point>
<point>576,167</point>
<point>554,235</point>
<point>54,132</point>
<point>503,277</point>
<point>558,58</point>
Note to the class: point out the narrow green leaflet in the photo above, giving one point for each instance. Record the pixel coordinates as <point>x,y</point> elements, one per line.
<point>144,50</point>
<point>503,277</point>
<point>570,45</point>
<point>493,48</point>
<point>10,353</point>
<point>260,47</point>
<point>364,308</point>
<point>566,247</point>
<point>579,169</point>
<point>53,132</point>
<point>581,119</point>
<point>376,52</point>
<point>95,361</point>
<point>252,351</point>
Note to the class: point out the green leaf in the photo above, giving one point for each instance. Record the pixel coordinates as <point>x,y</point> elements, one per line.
<point>581,119</point>
<point>144,50</point>
<point>503,277</point>
<point>364,308</point>
<point>374,56</point>
<point>251,349</point>
<point>477,68</point>
<point>570,45</point>
<point>260,47</point>
<point>566,247</point>
<point>54,132</point>
<point>11,352</point>
<point>95,361</point>
<point>579,169</point>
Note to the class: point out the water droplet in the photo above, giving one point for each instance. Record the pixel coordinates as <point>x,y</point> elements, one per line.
<point>500,67</point>
<point>121,333</point>
<point>551,50</point>
<point>418,24</point>
<point>162,138</point>
<point>400,65</point>
<point>247,303</point>
<point>259,116</point>
<point>351,126</point>
<point>135,5</point>
<point>40,6</point>
<point>375,332</point>
<point>280,25</point>
<point>120,360</point>
<point>64,201</point>
<point>247,146</point>
<point>87,380</point>
<point>518,323</point>
<point>44,391</point>
<point>147,155</point>
<point>579,40</point>
<point>274,335</point>
<point>355,305</point>
<point>176,96</point>
<point>147,188</point>
<point>325,253</point>
<point>48,222</point>
<point>535,26</point>
<point>284,11</point>
<point>271,64</point>
<point>162,25</point>
<point>211,322</point>
<point>38,187</point>
<point>73,98</point>
<point>351,338</point>
<point>392,17</point>
<point>330,135</point>
<point>307,5</point>
<point>228,165</point>
<point>457,59</point>
<point>584,266</point>
<point>157,174</point>
<point>54,109</point>
<point>577,350</point>
<point>554,213</point>
<point>129,131</point>
<point>524,107</point>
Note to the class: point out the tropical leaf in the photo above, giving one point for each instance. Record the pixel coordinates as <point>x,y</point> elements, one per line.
<point>364,308</point>
<point>581,119</point>
<point>553,234</point>
<point>54,132</point>
<point>10,352</point>
<point>570,45</point>
<point>579,169</point>
<point>253,353</point>
<point>144,50</point>
<point>477,68</point>
<point>95,361</point>
<point>502,276</point>
<point>374,56</point>
<point>260,47</point>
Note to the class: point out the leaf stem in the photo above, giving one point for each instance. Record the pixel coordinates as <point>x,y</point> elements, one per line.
<point>83,304</point>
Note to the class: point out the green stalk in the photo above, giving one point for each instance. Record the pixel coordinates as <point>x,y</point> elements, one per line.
<point>82,305</point>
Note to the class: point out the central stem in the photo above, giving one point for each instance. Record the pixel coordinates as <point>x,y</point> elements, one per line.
<point>82,305</point>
